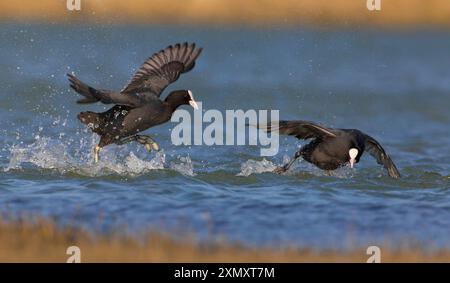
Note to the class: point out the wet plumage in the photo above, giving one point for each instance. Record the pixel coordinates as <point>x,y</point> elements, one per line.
<point>329,148</point>
<point>138,105</point>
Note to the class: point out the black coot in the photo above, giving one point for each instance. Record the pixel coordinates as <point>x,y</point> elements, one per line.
<point>138,105</point>
<point>332,148</point>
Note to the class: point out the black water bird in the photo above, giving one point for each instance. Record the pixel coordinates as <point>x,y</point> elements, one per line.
<point>138,105</point>
<point>331,148</point>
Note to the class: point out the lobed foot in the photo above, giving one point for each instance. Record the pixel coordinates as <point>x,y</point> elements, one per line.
<point>148,142</point>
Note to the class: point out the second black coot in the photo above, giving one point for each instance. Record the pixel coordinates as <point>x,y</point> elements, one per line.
<point>332,148</point>
<point>138,105</point>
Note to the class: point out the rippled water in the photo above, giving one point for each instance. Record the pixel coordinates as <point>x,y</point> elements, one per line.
<point>393,85</point>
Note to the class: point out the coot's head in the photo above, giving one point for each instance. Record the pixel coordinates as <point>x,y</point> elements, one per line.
<point>180,97</point>
<point>353,156</point>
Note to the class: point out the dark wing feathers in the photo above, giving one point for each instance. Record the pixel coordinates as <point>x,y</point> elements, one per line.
<point>377,151</point>
<point>308,130</point>
<point>163,68</point>
<point>92,95</point>
<point>299,129</point>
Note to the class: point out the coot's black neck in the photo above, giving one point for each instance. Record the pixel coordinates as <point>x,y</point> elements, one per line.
<point>177,98</point>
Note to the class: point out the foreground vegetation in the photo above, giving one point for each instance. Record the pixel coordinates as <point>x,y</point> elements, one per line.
<point>42,241</point>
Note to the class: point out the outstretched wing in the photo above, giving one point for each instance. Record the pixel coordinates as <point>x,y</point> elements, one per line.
<point>92,95</point>
<point>377,151</point>
<point>163,68</point>
<point>299,129</point>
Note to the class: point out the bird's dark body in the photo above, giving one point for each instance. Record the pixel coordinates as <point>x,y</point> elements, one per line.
<point>330,148</point>
<point>123,121</point>
<point>138,105</point>
<point>330,153</point>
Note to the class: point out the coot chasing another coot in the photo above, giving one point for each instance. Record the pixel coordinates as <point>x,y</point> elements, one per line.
<point>138,105</point>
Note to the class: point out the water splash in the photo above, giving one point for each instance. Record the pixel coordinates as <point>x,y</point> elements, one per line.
<point>263,166</point>
<point>185,166</point>
<point>256,167</point>
<point>43,153</point>
<point>64,157</point>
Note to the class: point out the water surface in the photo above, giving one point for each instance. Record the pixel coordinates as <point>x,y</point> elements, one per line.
<point>393,85</point>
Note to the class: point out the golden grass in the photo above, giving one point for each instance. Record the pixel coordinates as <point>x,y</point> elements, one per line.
<point>41,241</point>
<point>404,13</point>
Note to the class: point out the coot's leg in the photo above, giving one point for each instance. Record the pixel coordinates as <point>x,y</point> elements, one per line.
<point>286,167</point>
<point>96,153</point>
<point>147,141</point>
<point>126,140</point>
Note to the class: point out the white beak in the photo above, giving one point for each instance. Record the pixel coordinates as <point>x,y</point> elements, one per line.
<point>192,101</point>
<point>193,104</point>
<point>353,152</point>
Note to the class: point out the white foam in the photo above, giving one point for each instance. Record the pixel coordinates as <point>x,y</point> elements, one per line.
<point>256,167</point>
<point>263,166</point>
<point>184,166</point>
<point>54,154</point>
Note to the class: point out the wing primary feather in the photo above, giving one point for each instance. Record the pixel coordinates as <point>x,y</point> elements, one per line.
<point>163,68</point>
<point>377,151</point>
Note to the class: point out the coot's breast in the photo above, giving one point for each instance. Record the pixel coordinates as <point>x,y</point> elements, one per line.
<point>331,153</point>
<point>142,118</point>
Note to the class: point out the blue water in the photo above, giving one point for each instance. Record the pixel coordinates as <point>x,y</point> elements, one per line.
<point>394,85</point>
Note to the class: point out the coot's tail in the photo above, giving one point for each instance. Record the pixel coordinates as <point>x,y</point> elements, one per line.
<point>90,94</point>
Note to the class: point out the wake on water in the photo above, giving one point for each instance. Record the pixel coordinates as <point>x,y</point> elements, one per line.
<point>256,167</point>
<point>54,154</point>
<point>265,166</point>
<point>67,156</point>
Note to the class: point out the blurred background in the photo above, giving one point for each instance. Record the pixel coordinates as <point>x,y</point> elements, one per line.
<point>394,13</point>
